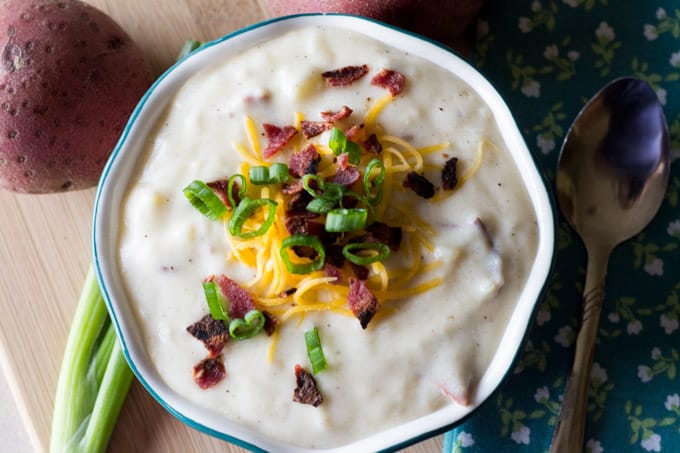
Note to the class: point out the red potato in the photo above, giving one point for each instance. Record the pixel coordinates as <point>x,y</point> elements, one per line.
<point>69,79</point>
<point>444,20</point>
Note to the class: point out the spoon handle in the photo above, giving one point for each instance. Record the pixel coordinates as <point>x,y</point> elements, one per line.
<point>569,430</point>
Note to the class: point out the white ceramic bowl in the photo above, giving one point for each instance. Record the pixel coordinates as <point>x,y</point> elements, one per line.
<point>120,168</point>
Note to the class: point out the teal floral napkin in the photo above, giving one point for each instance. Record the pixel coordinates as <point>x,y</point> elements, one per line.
<point>547,57</point>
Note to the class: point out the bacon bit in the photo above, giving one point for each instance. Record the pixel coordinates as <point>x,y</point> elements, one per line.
<point>306,391</point>
<point>334,255</point>
<point>292,188</point>
<point>343,161</point>
<point>331,116</point>
<point>298,222</point>
<point>221,188</point>
<point>299,200</point>
<point>372,145</point>
<point>209,372</point>
<point>392,80</point>
<point>240,301</point>
<point>306,161</point>
<point>313,128</point>
<point>347,176</point>
<point>355,133</point>
<point>344,76</point>
<point>360,272</point>
<point>419,184</point>
<point>330,270</point>
<point>361,301</point>
<point>449,178</point>
<point>270,323</point>
<point>386,234</point>
<point>211,332</point>
<point>278,138</point>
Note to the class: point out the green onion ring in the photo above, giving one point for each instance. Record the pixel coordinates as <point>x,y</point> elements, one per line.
<point>382,249</point>
<point>377,181</point>
<point>241,191</point>
<point>305,184</point>
<point>215,304</point>
<point>341,220</point>
<point>205,200</point>
<point>251,324</point>
<point>278,173</point>
<point>337,141</point>
<point>244,211</point>
<point>353,151</point>
<point>333,191</point>
<point>320,205</point>
<point>303,240</point>
<point>314,350</point>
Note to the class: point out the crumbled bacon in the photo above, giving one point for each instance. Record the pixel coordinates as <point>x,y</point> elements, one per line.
<point>306,391</point>
<point>343,161</point>
<point>341,114</point>
<point>240,301</point>
<point>372,145</point>
<point>449,178</point>
<point>386,234</point>
<point>306,161</point>
<point>355,132</point>
<point>313,128</point>
<point>361,301</point>
<point>221,188</point>
<point>270,323</point>
<point>330,270</point>
<point>278,138</point>
<point>302,222</point>
<point>419,184</point>
<point>360,272</point>
<point>292,188</point>
<point>299,200</point>
<point>211,332</point>
<point>347,176</point>
<point>209,372</point>
<point>344,76</point>
<point>393,81</point>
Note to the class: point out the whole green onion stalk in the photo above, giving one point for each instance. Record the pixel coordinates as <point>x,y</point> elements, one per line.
<point>93,381</point>
<point>94,378</point>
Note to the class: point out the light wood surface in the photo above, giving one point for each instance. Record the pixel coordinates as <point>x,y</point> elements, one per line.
<point>45,253</point>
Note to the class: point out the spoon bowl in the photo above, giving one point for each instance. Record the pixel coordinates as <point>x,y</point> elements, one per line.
<point>612,175</point>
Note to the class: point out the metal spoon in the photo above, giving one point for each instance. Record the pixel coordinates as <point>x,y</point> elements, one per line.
<point>611,178</point>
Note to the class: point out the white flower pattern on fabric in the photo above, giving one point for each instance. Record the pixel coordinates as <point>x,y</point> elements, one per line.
<point>634,327</point>
<point>656,353</point>
<point>672,402</point>
<point>674,226</point>
<point>605,32</point>
<point>614,317</point>
<point>465,439</point>
<point>650,32</point>
<point>652,443</point>
<point>594,446</point>
<point>654,267</point>
<point>551,51</point>
<point>546,145</point>
<point>644,373</point>
<point>542,394</point>
<point>675,59</point>
<point>598,374</point>
<point>669,325</point>
<point>660,13</point>
<point>524,24</point>
<point>565,336</point>
<point>532,89</point>
<point>523,436</point>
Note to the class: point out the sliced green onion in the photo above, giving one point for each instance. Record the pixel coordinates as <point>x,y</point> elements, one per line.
<point>275,174</point>
<point>205,200</point>
<point>245,210</point>
<point>333,191</point>
<point>341,220</point>
<point>370,209</point>
<point>251,324</point>
<point>353,151</point>
<point>215,303</point>
<point>259,175</point>
<point>377,182</point>
<point>337,141</point>
<point>305,184</point>
<point>314,350</point>
<point>241,190</point>
<point>303,240</point>
<point>320,205</point>
<point>382,251</point>
<point>189,46</point>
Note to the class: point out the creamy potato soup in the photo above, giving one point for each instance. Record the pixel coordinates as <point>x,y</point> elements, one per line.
<point>413,236</point>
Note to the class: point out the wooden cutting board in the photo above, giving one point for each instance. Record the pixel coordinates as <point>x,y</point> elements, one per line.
<point>45,253</point>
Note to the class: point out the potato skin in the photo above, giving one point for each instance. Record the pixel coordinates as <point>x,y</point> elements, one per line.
<point>443,20</point>
<point>69,79</point>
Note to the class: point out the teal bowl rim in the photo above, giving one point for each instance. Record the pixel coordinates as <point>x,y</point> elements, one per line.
<point>551,236</point>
